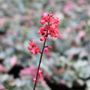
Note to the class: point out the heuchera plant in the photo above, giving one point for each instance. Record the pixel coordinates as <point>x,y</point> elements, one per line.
<point>49,27</point>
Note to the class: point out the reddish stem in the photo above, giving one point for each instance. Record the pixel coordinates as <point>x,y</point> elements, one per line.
<point>36,78</point>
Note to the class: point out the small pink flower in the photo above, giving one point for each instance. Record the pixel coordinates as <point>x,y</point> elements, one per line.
<point>44,18</point>
<point>40,76</point>
<point>46,49</point>
<point>34,80</point>
<point>41,30</point>
<point>33,48</point>
<point>42,38</point>
<point>42,21</point>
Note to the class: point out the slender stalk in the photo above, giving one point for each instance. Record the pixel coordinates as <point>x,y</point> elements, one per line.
<point>39,63</point>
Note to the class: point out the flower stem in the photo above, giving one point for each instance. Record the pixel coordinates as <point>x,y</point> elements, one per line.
<point>39,63</point>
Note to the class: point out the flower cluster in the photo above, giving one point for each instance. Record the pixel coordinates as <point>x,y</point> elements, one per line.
<point>33,48</point>
<point>50,26</point>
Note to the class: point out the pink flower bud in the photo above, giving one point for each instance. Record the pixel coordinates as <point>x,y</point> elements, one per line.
<point>42,21</point>
<point>42,38</point>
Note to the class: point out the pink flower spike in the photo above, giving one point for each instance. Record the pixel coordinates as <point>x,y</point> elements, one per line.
<point>50,26</point>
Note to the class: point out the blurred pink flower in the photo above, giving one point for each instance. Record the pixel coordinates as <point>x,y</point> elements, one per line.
<point>13,60</point>
<point>28,71</point>
<point>2,21</point>
<point>31,71</point>
<point>68,6</point>
<point>81,34</point>
<point>2,87</point>
<point>81,2</point>
<point>2,68</point>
